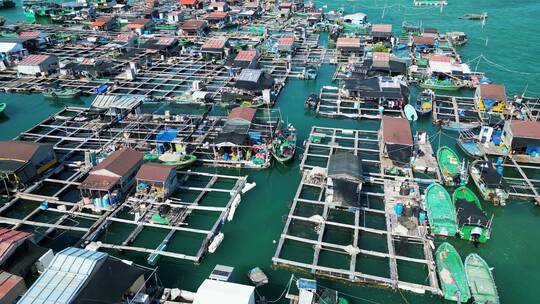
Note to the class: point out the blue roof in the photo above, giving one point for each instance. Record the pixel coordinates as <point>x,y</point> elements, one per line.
<point>64,278</point>
<point>167,135</point>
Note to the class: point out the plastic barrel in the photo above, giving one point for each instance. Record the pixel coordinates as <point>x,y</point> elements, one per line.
<point>500,170</point>
<point>500,160</point>
<point>398,208</point>
<point>422,216</point>
<point>534,153</point>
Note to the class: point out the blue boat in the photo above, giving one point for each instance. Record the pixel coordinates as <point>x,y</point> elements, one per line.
<point>424,103</point>
<point>468,142</point>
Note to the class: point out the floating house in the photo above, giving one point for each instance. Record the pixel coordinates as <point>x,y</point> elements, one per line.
<point>490,97</point>
<point>11,50</point>
<point>140,26</point>
<point>381,32</point>
<point>37,65</point>
<point>165,46</point>
<point>523,139</point>
<point>20,255</point>
<point>36,40</point>
<point>344,179</point>
<point>383,64</point>
<point>423,43</point>
<point>389,92</point>
<point>156,181</point>
<point>82,276</point>
<point>103,24</point>
<point>286,45</point>
<point>110,180</point>
<point>21,162</point>
<point>194,28</point>
<point>218,6</point>
<point>246,59</point>
<point>396,143</point>
<point>215,48</point>
<point>191,4</point>
<point>125,39</point>
<point>349,45</point>
<point>218,19</point>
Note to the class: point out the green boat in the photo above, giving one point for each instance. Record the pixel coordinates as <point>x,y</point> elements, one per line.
<point>480,280</point>
<point>180,162</point>
<point>442,85</point>
<point>472,221</point>
<point>452,274</point>
<point>452,169</point>
<point>440,210</point>
<point>284,145</point>
<point>62,93</point>
<point>3,107</point>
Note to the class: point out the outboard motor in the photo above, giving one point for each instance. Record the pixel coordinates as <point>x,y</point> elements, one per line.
<point>476,232</point>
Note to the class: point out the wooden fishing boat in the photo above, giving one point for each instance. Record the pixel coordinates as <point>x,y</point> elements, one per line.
<point>480,280</point>
<point>424,103</point>
<point>174,159</point>
<point>452,169</point>
<point>284,145</point>
<point>458,126</point>
<point>312,101</point>
<point>254,103</point>
<point>457,38</point>
<point>452,274</point>
<point>3,107</point>
<point>447,84</point>
<point>440,210</point>
<point>489,182</point>
<point>468,142</point>
<point>62,93</point>
<point>470,16</point>
<point>472,221</point>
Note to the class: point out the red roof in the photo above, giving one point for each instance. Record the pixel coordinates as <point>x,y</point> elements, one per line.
<point>99,182</point>
<point>35,59</point>
<point>11,285</point>
<point>124,37</point>
<point>134,26</point>
<point>100,22</point>
<point>217,4</point>
<point>217,15</point>
<point>10,238</point>
<point>119,162</point>
<point>29,35</point>
<point>243,113</point>
<point>165,41</point>
<point>345,42</point>
<point>381,56</point>
<point>439,58</point>
<point>286,41</point>
<point>155,172</point>
<point>18,150</point>
<point>495,92</point>
<point>423,40</point>
<point>381,28</point>
<point>189,2</point>
<point>246,55</point>
<point>251,4</point>
<point>396,130</point>
<point>525,128</point>
<point>193,24</point>
<point>214,43</point>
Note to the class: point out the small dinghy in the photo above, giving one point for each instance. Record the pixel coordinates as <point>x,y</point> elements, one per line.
<point>489,182</point>
<point>480,280</point>
<point>452,274</point>
<point>312,101</point>
<point>468,142</point>
<point>284,145</point>
<point>3,107</point>
<point>424,103</point>
<point>410,113</point>
<point>257,277</point>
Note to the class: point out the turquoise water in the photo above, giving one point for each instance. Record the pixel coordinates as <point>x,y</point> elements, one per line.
<point>512,49</point>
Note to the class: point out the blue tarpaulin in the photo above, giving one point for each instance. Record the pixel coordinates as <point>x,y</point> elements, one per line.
<point>167,135</point>
<point>488,103</point>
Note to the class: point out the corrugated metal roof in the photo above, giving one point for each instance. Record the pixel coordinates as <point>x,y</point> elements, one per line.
<point>423,40</point>
<point>134,26</point>
<point>9,240</point>
<point>396,130</point>
<point>246,55</point>
<point>345,42</point>
<point>381,56</point>
<point>35,59</point>
<point>214,43</point>
<point>8,281</point>
<point>189,2</point>
<point>193,24</point>
<point>117,102</point>
<point>124,37</point>
<point>154,172</point>
<point>217,15</point>
<point>166,41</point>
<point>244,113</point>
<point>29,35</point>
<point>381,28</point>
<point>120,162</point>
<point>64,278</point>
<point>493,92</point>
<point>286,41</point>
<point>18,150</point>
<point>525,129</point>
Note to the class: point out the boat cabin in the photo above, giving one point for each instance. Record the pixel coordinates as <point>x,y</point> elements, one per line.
<point>21,162</point>
<point>111,179</point>
<point>215,48</point>
<point>522,137</point>
<point>156,181</point>
<point>78,275</point>
<point>396,143</point>
<point>37,65</point>
<point>490,97</point>
<point>344,180</point>
<point>194,28</point>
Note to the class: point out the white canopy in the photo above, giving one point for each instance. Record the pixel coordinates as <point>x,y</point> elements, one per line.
<point>212,292</point>
<point>10,47</point>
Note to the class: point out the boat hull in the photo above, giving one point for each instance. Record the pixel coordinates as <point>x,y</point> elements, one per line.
<point>452,274</point>
<point>478,232</point>
<point>450,167</point>
<point>441,212</point>
<point>480,280</point>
